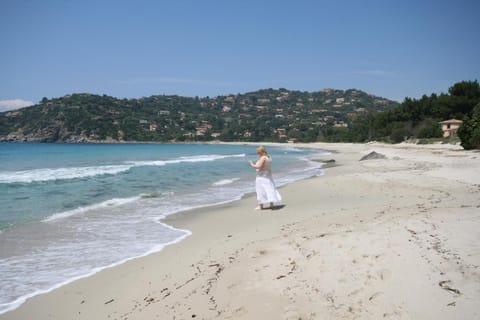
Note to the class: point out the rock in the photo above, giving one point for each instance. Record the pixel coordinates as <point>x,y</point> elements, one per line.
<point>373,155</point>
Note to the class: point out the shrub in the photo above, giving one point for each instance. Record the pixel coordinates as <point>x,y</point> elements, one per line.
<point>469,131</point>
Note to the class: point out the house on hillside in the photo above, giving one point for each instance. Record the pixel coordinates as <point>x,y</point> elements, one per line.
<point>153,127</point>
<point>450,127</point>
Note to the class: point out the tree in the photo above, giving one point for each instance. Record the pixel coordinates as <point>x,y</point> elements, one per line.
<point>429,128</point>
<point>465,95</point>
<point>469,131</point>
<point>465,89</point>
<point>401,131</point>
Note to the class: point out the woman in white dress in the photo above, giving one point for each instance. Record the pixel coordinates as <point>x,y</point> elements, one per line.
<point>264,184</point>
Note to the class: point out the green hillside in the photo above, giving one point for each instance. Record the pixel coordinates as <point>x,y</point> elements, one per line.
<point>419,118</point>
<point>264,115</point>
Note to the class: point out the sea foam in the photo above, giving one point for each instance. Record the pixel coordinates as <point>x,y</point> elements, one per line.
<point>49,174</point>
<point>40,175</point>
<point>105,204</point>
<point>225,182</point>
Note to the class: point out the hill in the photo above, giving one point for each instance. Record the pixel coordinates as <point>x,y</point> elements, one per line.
<point>263,115</point>
<point>419,118</point>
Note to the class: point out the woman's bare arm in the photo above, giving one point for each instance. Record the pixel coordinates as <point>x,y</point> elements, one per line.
<point>259,164</point>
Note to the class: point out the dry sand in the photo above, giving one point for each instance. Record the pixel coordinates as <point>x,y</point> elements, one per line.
<point>394,238</point>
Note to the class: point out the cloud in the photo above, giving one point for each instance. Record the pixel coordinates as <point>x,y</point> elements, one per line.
<point>6,105</point>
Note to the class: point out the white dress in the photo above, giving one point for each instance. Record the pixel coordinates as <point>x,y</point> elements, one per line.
<point>265,186</point>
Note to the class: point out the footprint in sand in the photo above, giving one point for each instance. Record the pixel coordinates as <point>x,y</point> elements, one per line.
<point>374,298</point>
<point>385,274</point>
<point>291,313</point>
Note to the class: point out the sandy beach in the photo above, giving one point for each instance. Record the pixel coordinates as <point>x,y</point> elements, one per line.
<point>390,238</point>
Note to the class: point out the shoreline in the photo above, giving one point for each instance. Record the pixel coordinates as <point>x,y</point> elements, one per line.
<point>206,274</point>
<point>66,279</point>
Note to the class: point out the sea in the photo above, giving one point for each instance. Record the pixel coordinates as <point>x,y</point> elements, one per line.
<point>68,211</point>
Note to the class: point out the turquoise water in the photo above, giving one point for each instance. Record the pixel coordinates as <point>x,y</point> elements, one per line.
<point>68,211</point>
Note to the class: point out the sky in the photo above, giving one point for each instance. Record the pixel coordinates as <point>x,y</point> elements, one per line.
<point>133,49</point>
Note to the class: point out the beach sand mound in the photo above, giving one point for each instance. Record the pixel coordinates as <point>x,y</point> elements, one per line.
<point>373,155</point>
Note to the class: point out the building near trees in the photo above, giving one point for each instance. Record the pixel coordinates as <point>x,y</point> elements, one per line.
<point>450,127</point>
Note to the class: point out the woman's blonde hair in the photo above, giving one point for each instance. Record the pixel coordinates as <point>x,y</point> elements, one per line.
<point>261,150</point>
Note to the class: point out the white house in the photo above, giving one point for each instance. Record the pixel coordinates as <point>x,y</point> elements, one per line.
<point>450,127</point>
